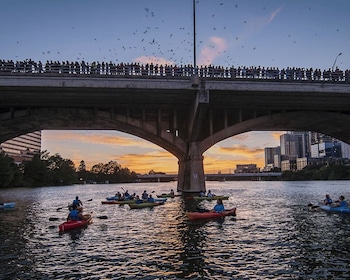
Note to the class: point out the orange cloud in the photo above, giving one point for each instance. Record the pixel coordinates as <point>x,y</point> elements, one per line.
<point>143,163</point>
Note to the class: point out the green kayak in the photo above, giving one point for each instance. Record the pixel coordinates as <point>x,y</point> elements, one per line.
<point>163,195</point>
<point>210,197</point>
<point>144,205</point>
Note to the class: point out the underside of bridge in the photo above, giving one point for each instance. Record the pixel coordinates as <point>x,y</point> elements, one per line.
<point>183,119</point>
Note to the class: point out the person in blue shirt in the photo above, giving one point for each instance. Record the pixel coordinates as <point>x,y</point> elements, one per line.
<point>219,207</point>
<point>341,202</point>
<point>328,200</point>
<point>77,202</point>
<point>75,214</point>
<point>150,199</point>
<point>138,200</point>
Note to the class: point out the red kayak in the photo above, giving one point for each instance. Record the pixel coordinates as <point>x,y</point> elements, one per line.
<point>209,215</point>
<point>75,224</point>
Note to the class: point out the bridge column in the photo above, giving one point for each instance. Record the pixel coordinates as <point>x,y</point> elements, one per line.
<point>191,176</point>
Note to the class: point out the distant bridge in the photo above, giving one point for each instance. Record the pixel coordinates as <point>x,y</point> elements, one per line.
<point>183,113</point>
<point>213,177</point>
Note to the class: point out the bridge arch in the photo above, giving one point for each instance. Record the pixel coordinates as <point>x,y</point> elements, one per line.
<point>329,123</point>
<point>74,119</point>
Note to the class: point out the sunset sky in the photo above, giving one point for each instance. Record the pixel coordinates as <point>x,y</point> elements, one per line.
<point>266,33</point>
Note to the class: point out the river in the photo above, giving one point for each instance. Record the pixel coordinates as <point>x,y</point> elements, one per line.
<point>274,235</point>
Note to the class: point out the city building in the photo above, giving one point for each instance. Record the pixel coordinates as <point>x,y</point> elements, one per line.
<point>272,158</point>
<point>23,147</point>
<point>300,149</point>
<point>246,168</point>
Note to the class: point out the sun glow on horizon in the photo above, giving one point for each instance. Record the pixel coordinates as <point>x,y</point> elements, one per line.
<point>141,156</point>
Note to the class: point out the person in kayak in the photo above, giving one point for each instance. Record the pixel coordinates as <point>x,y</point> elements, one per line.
<point>341,203</point>
<point>328,200</point>
<point>138,200</point>
<point>219,207</point>
<point>75,214</point>
<point>150,199</point>
<point>144,195</point>
<point>77,202</point>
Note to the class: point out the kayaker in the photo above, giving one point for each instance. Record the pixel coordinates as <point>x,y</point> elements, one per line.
<point>219,207</point>
<point>202,193</point>
<point>144,195</point>
<point>138,200</point>
<point>118,196</point>
<point>210,194</point>
<point>126,195</point>
<point>75,214</point>
<point>328,200</point>
<point>150,199</point>
<point>77,202</point>
<point>341,202</point>
<point>171,192</point>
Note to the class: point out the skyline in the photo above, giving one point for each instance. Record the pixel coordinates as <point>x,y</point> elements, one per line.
<point>256,33</point>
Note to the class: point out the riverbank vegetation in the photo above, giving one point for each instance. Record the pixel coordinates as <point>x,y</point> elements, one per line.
<point>53,170</point>
<point>319,172</point>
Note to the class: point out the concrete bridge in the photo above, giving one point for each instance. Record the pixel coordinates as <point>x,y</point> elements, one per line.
<point>185,115</point>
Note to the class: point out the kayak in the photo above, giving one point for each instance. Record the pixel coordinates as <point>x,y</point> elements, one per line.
<point>167,195</point>
<point>210,215</point>
<point>75,224</point>
<point>335,209</point>
<point>144,205</point>
<point>119,201</point>
<point>215,197</point>
<point>8,205</point>
<point>160,199</point>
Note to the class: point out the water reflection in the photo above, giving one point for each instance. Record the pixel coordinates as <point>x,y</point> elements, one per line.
<point>274,235</point>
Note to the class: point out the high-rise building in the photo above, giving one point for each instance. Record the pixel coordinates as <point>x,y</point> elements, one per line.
<point>23,147</point>
<point>295,145</point>
<point>270,153</point>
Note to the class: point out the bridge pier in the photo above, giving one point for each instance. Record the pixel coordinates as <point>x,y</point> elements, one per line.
<point>191,178</point>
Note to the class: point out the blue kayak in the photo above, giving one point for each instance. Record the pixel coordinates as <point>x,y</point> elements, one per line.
<point>335,209</point>
<point>8,205</point>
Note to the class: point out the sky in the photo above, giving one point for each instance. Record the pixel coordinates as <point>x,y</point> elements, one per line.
<point>266,33</point>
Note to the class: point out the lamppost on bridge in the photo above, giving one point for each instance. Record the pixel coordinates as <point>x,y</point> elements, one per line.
<point>194,78</point>
<point>335,60</point>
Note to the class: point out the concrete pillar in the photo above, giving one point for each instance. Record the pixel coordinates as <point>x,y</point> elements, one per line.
<point>191,178</point>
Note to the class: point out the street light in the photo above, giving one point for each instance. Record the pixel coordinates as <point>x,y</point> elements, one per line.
<point>336,60</point>
<point>194,77</point>
<point>194,36</point>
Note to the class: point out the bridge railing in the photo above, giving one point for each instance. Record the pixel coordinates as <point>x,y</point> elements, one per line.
<point>158,71</point>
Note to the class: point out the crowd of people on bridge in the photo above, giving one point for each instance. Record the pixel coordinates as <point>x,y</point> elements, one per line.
<point>167,70</point>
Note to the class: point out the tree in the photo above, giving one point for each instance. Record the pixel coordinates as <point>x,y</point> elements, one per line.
<point>61,171</point>
<point>10,174</point>
<point>82,172</point>
<point>35,172</point>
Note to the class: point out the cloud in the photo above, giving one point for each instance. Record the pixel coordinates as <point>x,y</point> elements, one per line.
<point>96,137</point>
<point>143,163</point>
<point>211,51</point>
<point>153,59</point>
<point>242,150</point>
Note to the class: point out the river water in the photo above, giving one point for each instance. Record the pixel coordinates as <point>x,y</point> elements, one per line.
<point>274,235</point>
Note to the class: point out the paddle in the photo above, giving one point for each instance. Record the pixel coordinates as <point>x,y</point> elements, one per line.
<point>102,217</point>
<point>60,208</point>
